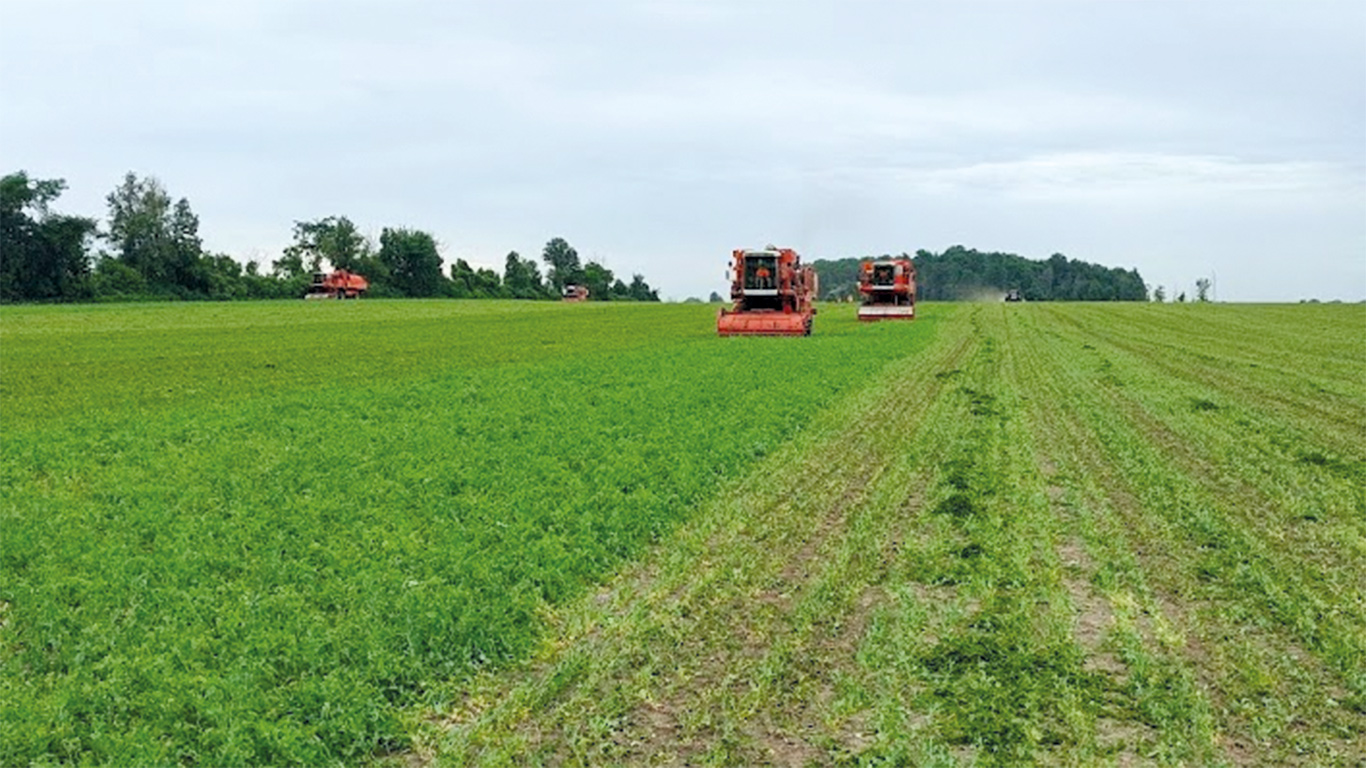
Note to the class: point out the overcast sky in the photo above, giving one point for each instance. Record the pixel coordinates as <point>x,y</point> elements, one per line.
<point>1187,139</point>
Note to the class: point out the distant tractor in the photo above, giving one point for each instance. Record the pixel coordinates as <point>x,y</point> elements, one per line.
<point>888,289</point>
<point>340,284</point>
<point>575,292</point>
<point>1014,295</point>
<point>774,294</point>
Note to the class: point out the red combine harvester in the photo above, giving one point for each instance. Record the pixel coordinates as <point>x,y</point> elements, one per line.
<point>575,292</point>
<point>337,285</point>
<point>888,288</point>
<point>774,294</point>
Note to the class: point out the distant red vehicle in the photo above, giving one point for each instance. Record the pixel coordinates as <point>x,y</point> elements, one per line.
<point>575,292</point>
<point>340,284</point>
<point>888,288</point>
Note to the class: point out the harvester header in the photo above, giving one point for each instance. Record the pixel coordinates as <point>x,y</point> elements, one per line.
<point>888,288</point>
<point>774,294</point>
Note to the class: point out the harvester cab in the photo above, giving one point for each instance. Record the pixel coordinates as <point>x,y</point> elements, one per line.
<point>760,278</point>
<point>773,293</point>
<point>318,288</point>
<point>888,289</point>
<point>574,292</point>
<point>884,275</point>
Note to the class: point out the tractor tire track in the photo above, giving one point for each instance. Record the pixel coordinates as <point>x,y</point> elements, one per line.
<point>753,731</point>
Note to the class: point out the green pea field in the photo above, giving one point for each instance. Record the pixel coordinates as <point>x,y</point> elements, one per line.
<point>449,533</point>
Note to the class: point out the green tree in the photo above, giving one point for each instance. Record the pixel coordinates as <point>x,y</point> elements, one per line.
<point>598,280</point>
<point>961,273</point>
<point>563,264</point>
<point>491,284</point>
<point>288,267</point>
<point>114,280</point>
<point>138,211</point>
<point>191,270</point>
<point>223,277</point>
<point>333,239</point>
<point>1160,294</point>
<point>412,260</point>
<point>43,256</point>
<point>155,236</point>
<point>522,278</point>
<point>1202,287</point>
<point>640,290</point>
<point>468,282</point>
<point>259,286</point>
<point>462,280</point>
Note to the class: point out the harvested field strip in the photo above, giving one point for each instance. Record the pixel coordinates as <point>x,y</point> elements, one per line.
<point>981,635</point>
<point>668,660</point>
<point>1046,554</point>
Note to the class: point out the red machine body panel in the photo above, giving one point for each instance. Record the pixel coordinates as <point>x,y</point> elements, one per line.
<point>888,289</point>
<point>340,284</point>
<point>774,294</point>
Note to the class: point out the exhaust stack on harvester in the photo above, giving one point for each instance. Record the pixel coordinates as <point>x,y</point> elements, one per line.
<point>888,288</point>
<point>774,294</point>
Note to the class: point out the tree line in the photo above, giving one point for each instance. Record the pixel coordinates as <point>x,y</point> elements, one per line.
<point>152,250</point>
<point>961,273</point>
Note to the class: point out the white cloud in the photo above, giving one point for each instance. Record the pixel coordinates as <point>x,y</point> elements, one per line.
<point>1134,176</point>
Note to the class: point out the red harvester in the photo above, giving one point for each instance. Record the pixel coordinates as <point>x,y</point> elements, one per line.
<point>888,288</point>
<point>575,292</point>
<point>340,284</point>
<point>774,294</point>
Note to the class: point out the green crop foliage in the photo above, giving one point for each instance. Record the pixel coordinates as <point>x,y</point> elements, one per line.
<point>492,533</point>
<point>253,534</point>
